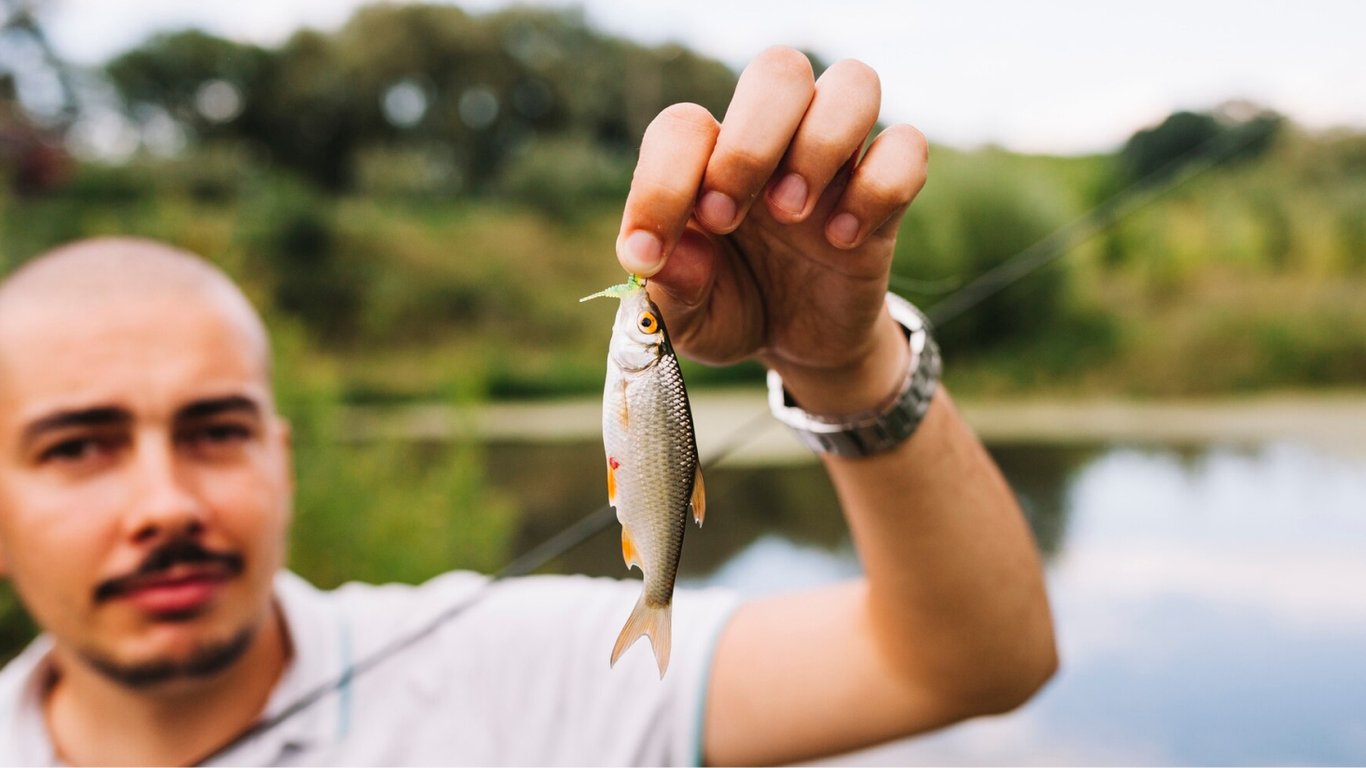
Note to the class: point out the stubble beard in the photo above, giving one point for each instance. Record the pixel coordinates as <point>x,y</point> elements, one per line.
<point>204,662</point>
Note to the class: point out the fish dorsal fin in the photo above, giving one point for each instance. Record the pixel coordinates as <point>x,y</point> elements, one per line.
<point>699,497</point>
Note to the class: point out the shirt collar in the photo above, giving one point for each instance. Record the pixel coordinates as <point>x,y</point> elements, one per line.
<point>320,642</point>
<point>320,653</point>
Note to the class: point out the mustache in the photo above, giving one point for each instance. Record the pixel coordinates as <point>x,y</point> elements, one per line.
<point>179,551</point>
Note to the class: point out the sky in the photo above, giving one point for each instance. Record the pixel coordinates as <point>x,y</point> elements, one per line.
<point>1051,77</point>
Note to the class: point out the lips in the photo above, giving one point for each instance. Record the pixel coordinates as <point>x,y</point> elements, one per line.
<point>175,581</point>
<point>178,592</point>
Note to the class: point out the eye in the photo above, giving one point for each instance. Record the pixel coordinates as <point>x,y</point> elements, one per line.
<point>73,450</point>
<point>223,433</point>
<point>81,452</point>
<point>216,438</point>
<point>648,322</point>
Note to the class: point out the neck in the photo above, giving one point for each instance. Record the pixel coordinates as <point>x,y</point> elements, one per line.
<point>96,721</point>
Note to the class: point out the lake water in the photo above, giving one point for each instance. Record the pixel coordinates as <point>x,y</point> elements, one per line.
<point>1210,602</point>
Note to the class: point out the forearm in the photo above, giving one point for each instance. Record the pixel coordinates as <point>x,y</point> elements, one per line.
<point>955,594</point>
<point>955,589</point>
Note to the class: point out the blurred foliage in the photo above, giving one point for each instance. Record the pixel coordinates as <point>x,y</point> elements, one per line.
<point>416,201</point>
<point>381,511</point>
<point>16,628</point>
<point>485,89</point>
<point>1237,130</point>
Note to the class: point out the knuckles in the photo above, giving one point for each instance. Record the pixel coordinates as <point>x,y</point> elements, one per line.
<point>783,62</point>
<point>854,75</point>
<point>685,118</point>
<point>902,159</point>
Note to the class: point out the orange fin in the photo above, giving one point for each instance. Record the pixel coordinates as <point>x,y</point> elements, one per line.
<point>699,497</point>
<point>612,480</point>
<point>652,620</point>
<point>629,553</point>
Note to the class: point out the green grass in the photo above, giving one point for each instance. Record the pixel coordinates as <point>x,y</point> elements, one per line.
<point>1247,279</point>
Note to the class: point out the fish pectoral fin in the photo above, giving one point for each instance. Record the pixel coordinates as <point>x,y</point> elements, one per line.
<point>699,497</point>
<point>611,481</point>
<point>629,553</point>
<point>653,620</point>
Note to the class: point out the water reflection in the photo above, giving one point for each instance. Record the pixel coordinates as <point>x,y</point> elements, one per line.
<point>1211,603</point>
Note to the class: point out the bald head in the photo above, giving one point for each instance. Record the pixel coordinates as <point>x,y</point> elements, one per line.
<point>81,282</point>
<point>136,414</point>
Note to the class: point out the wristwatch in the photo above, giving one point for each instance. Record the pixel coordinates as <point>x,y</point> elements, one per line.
<point>878,429</point>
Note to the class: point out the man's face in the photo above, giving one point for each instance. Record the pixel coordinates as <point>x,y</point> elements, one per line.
<point>145,479</point>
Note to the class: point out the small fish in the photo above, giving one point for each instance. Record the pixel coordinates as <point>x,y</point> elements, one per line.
<point>653,474</point>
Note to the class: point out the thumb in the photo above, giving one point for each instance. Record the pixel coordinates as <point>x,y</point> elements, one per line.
<point>682,285</point>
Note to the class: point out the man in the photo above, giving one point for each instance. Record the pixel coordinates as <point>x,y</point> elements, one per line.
<point>145,488</point>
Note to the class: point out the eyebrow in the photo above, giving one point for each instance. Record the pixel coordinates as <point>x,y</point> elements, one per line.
<point>110,416</point>
<point>202,409</point>
<point>82,417</point>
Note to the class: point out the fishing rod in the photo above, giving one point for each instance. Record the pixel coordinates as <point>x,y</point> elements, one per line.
<point>1142,193</point>
<point>588,526</point>
<point>1125,203</point>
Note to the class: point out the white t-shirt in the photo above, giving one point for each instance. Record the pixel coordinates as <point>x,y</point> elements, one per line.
<point>519,677</point>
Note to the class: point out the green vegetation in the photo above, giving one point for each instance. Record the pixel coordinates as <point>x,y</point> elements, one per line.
<point>1245,278</point>
<point>416,202</point>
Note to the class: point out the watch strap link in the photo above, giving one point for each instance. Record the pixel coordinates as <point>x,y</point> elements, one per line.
<point>879,429</point>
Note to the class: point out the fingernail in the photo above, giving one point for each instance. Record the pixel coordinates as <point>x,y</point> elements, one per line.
<point>842,229</point>
<point>641,251</point>
<point>789,193</point>
<point>716,210</point>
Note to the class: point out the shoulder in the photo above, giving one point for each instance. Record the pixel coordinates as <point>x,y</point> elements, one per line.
<point>463,668</point>
<point>23,737</point>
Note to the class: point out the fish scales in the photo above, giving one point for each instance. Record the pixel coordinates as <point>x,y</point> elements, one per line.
<point>653,474</point>
<point>657,452</point>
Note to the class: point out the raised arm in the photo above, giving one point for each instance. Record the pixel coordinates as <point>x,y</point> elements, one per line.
<point>770,234</point>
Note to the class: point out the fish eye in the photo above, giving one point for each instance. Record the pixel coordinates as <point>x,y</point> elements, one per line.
<point>648,322</point>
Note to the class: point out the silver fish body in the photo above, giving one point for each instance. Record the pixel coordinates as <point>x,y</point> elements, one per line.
<point>653,472</point>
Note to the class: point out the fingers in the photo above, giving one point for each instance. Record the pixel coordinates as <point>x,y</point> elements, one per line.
<point>770,99</point>
<point>786,135</point>
<point>673,157</point>
<point>798,141</point>
<point>880,188</point>
<point>839,119</point>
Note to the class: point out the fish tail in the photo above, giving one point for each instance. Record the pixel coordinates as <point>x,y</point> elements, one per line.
<point>647,619</point>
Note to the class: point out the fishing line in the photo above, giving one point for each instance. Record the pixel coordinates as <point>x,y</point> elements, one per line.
<point>1123,204</point>
<point>585,528</point>
<point>1138,195</point>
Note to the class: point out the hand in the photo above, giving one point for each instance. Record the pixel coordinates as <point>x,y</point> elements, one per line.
<point>768,235</point>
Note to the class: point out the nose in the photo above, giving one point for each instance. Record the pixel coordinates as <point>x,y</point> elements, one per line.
<point>165,504</point>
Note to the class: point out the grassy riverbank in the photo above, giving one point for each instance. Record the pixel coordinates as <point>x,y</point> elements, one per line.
<point>1245,279</point>
<point>735,421</point>
<point>399,493</point>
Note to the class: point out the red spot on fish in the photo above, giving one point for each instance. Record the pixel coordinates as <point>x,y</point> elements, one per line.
<point>612,462</point>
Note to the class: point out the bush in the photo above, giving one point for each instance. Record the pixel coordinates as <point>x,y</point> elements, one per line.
<point>293,236</point>
<point>385,510</point>
<point>561,176</point>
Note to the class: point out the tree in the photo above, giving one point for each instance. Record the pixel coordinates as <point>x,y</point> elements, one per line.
<point>1235,130</point>
<point>478,91</point>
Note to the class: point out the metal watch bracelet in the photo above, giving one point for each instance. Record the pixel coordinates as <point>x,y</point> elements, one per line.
<point>880,429</point>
